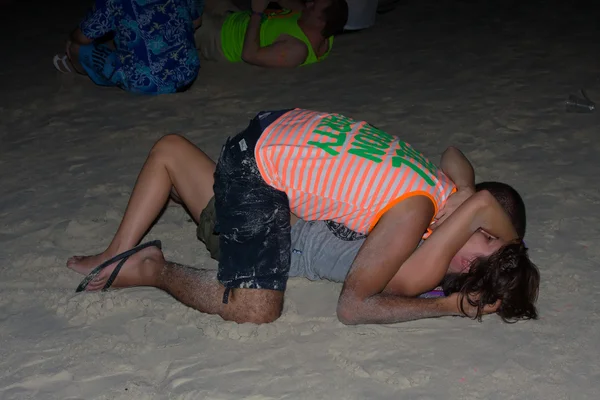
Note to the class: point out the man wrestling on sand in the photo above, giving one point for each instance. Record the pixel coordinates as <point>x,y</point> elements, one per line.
<point>320,166</point>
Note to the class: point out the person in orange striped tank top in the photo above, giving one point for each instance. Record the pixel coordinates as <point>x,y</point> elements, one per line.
<point>335,168</point>
<point>320,166</point>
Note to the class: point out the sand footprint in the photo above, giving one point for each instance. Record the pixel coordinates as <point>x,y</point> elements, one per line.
<point>221,330</point>
<point>378,371</point>
<point>89,307</point>
<point>45,383</point>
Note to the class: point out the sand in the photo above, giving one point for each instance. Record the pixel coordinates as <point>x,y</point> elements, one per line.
<point>487,78</point>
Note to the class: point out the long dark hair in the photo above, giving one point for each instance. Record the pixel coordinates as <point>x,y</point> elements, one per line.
<point>507,275</point>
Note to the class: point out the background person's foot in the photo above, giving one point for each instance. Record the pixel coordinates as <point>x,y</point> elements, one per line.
<point>63,64</point>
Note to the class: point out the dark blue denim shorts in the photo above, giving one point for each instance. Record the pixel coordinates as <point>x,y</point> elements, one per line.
<point>252,218</point>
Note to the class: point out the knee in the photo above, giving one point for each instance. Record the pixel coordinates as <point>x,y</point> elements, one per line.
<point>168,146</point>
<point>256,307</point>
<point>258,317</point>
<point>254,315</point>
<point>262,317</point>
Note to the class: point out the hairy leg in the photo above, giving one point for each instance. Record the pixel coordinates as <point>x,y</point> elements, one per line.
<point>197,288</point>
<point>173,165</point>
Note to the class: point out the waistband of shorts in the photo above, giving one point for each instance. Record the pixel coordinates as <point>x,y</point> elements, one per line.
<point>257,125</point>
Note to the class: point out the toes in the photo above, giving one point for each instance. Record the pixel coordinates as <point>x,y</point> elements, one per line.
<point>73,259</point>
<point>75,262</point>
<point>95,285</point>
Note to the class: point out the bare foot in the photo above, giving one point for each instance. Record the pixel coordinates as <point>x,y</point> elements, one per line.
<point>85,264</point>
<point>141,269</point>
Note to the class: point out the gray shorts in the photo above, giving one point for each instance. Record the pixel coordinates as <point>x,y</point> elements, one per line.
<point>208,37</point>
<point>320,249</point>
<point>323,250</point>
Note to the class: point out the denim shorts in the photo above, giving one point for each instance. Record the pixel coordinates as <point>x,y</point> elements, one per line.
<point>252,218</point>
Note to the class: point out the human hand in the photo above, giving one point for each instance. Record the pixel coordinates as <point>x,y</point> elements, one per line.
<point>259,6</point>
<point>456,300</point>
<point>453,202</point>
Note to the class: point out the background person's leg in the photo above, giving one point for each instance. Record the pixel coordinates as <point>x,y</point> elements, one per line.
<point>73,56</point>
<point>98,61</point>
<point>76,40</point>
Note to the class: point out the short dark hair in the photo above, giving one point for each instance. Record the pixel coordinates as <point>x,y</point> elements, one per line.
<point>336,17</point>
<point>510,200</point>
<point>507,275</point>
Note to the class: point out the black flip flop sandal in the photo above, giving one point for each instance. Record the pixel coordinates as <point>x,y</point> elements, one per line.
<point>123,257</point>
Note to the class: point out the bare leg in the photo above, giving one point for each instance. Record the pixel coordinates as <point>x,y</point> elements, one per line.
<point>76,40</point>
<point>73,56</point>
<point>198,288</point>
<point>173,164</point>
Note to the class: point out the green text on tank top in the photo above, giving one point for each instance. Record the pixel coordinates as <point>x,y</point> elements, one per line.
<point>279,23</point>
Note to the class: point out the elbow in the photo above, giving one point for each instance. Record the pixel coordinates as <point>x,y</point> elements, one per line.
<point>248,57</point>
<point>449,150</point>
<point>484,198</point>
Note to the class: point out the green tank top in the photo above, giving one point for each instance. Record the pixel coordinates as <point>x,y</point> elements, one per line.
<point>276,23</point>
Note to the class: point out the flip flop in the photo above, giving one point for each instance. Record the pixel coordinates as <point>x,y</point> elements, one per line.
<point>61,63</point>
<point>123,257</point>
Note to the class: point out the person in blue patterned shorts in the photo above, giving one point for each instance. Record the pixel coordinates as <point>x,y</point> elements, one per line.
<point>153,52</point>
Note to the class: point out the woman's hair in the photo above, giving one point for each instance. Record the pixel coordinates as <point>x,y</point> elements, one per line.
<point>507,275</point>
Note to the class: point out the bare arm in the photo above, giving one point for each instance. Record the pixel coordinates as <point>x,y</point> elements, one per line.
<point>460,171</point>
<point>458,168</point>
<point>387,263</point>
<point>286,52</point>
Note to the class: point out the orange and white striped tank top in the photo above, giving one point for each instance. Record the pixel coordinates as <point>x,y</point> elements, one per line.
<point>333,167</point>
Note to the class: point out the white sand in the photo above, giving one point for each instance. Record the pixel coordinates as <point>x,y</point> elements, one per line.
<point>70,153</point>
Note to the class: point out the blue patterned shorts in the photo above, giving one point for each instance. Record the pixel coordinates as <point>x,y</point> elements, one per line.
<point>100,63</point>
